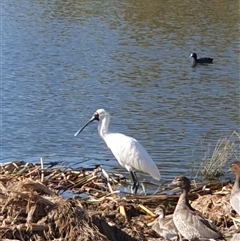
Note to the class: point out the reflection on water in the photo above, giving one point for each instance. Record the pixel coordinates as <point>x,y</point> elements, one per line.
<point>63,60</point>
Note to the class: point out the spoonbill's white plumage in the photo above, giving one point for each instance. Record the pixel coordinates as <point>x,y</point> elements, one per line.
<point>127,150</point>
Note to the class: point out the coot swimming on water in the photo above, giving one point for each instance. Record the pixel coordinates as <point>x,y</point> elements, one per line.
<point>201,60</point>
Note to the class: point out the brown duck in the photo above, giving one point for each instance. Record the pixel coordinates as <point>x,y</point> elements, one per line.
<point>164,225</point>
<point>235,193</point>
<point>189,222</point>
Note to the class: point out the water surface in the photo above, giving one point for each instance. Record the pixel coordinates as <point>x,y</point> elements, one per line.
<point>62,60</point>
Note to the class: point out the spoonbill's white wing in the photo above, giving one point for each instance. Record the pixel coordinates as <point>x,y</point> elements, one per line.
<point>131,154</point>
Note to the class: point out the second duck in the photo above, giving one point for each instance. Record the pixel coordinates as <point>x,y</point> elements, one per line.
<point>188,221</point>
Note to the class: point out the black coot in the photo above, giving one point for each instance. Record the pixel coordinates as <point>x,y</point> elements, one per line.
<point>201,60</point>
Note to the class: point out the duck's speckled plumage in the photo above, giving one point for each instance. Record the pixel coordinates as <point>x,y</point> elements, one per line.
<point>235,193</point>
<point>164,225</point>
<point>189,222</point>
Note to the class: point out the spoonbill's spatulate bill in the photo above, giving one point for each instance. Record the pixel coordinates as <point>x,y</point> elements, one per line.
<point>128,151</point>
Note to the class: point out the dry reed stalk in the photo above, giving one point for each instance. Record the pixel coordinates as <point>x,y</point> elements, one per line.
<point>25,227</point>
<point>123,212</point>
<point>42,169</point>
<point>36,186</point>
<point>35,171</point>
<point>107,177</point>
<point>146,210</point>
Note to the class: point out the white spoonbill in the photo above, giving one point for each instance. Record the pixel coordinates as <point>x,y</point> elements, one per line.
<point>128,151</point>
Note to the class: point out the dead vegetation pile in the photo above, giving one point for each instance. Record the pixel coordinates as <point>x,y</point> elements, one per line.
<point>32,207</point>
<point>30,211</point>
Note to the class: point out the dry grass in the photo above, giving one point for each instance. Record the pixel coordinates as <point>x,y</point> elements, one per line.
<point>213,162</point>
<point>31,211</point>
<point>34,210</point>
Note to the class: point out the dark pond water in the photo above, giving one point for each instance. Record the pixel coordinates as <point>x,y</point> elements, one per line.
<point>62,60</point>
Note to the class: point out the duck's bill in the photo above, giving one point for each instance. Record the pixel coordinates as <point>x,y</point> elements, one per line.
<point>90,121</point>
<point>190,55</point>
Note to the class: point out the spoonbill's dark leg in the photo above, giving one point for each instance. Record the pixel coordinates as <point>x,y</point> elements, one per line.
<point>135,182</point>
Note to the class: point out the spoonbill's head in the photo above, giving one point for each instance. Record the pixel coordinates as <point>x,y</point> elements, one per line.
<point>99,115</point>
<point>235,167</point>
<point>182,182</point>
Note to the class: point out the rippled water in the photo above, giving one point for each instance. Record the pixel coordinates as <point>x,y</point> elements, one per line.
<point>62,60</point>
